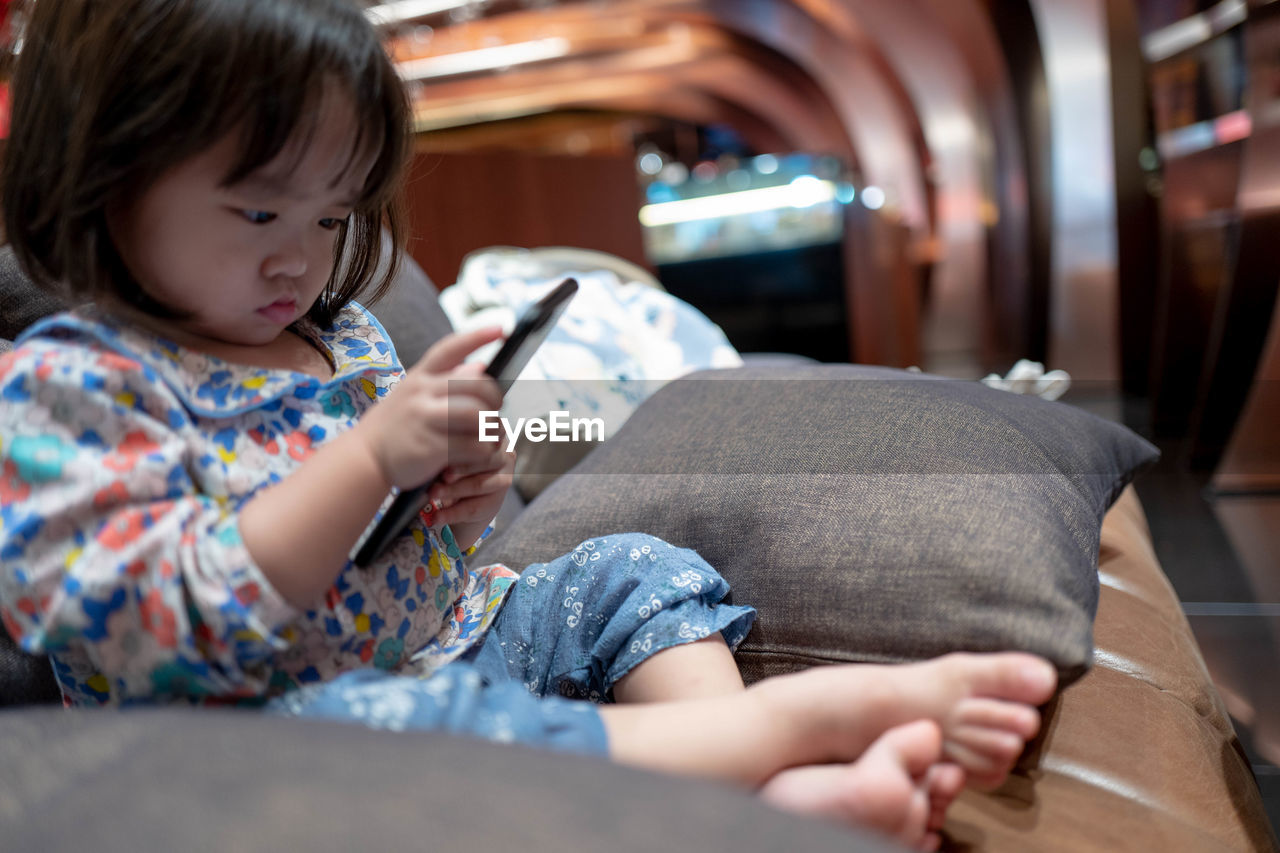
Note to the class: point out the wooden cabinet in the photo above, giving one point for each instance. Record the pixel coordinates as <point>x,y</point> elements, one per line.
<point>1216,104</point>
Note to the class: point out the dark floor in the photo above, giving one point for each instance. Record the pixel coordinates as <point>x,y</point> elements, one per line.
<point>1222,554</point>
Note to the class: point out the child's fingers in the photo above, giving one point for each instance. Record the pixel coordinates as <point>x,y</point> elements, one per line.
<point>462,419</point>
<point>471,389</point>
<point>483,476</point>
<point>450,351</point>
<point>464,453</point>
<point>476,485</point>
<point>467,509</point>
<point>498,460</point>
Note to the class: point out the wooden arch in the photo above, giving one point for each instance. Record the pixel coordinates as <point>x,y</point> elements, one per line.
<point>906,91</point>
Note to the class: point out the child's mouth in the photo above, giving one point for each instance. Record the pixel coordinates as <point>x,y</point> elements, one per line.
<point>282,311</point>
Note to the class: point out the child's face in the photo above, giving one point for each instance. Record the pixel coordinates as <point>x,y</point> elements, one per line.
<point>249,259</point>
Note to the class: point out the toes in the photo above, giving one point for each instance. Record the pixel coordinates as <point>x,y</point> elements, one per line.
<point>916,749</point>
<point>943,784</point>
<point>986,782</point>
<point>914,825</point>
<point>987,736</point>
<point>1021,720</point>
<point>984,766</point>
<point>918,745</point>
<point>1003,748</point>
<point>946,781</point>
<point>1014,676</point>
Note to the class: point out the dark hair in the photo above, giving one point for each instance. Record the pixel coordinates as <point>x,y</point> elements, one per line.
<point>110,94</point>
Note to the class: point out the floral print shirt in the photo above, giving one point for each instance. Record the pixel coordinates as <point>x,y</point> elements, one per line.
<point>126,459</point>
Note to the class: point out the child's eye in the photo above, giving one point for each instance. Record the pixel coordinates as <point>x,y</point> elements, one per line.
<point>258,217</point>
<point>332,223</point>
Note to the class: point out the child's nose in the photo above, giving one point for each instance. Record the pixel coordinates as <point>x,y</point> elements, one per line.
<point>288,260</point>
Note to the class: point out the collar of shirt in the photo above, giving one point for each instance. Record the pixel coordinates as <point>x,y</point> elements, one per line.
<point>211,387</point>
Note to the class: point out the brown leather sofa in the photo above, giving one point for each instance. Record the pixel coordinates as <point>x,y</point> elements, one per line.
<point>1139,755</point>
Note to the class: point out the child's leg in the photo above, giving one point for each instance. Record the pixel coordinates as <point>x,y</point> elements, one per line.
<point>692,671</point>
<point>781,735</point>
<point>622,612</point>
<point>624,615</point>
<point>985,706</point>
<point>456,699</point>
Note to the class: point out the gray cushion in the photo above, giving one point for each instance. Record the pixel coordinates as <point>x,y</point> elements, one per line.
<point>869,514</point>
<point>195,780</point>
<point>21,302</point>
<point>411,312</point>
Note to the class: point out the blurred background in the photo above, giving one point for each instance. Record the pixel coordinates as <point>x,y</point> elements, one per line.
<point>949,184</point>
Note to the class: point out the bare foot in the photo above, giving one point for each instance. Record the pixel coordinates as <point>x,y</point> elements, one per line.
<point>985,705</point>
<point>986,736</point>
<point>898,787</point>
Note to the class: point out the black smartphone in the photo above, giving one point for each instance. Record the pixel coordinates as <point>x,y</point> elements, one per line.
<point>530,331</point>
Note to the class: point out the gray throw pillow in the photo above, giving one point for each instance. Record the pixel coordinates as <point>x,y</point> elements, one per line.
<point>869,514</point>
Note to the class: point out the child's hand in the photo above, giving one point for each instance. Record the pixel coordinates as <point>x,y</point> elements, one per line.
<point>473,493</point>
<point>431,419</point>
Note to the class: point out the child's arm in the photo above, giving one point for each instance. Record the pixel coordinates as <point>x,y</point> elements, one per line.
<point>108,549</point>
<point>301,530</point>
<point>108,546</point>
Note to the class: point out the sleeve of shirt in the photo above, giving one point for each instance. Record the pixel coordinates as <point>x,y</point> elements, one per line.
<point>484,534</point>
<point>108,552</point>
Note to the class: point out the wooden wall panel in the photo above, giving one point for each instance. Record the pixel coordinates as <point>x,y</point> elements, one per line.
<point>460,202</point>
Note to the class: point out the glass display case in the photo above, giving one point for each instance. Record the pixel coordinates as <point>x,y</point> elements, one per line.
<point>754,241</point>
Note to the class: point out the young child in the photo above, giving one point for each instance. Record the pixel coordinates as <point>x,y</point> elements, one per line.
<point>189,458</point>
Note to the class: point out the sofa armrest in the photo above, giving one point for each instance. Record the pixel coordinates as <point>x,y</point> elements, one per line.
<point>1139,753</point>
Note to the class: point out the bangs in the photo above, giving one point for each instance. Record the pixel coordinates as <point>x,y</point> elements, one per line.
<point>279,139</point>
<point>281,116</point>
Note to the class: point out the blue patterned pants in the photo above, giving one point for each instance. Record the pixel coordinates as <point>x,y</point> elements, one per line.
<point>569,628</point>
